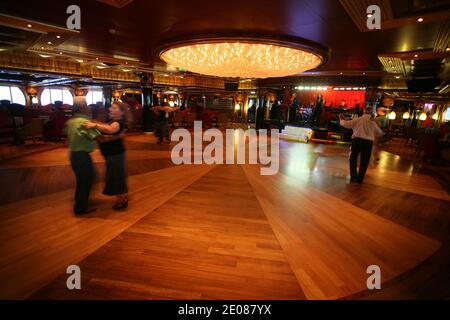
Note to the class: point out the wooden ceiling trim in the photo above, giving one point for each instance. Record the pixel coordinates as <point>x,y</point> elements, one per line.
<point>443,37</point>
<point>392,64</point>
<point>55,65</point>
<point>38,27</point>
<point>116,3</point>
<point>357,10</point>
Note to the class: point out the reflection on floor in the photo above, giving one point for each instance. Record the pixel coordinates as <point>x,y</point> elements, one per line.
<point>225,232</point>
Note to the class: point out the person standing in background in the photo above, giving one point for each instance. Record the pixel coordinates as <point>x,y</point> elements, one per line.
<point>81,144</point>
<point>162,121</point>
<point>365,131</point>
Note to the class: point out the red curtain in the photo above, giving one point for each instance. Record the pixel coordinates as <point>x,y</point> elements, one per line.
<point>334,97</point>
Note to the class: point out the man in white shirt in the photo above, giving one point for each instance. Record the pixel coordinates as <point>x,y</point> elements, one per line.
<point>365,130</point>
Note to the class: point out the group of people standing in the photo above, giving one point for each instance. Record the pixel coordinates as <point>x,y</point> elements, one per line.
<point>83,135</point>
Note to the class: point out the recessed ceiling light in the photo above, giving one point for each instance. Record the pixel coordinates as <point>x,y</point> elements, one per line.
<point>448,49</point>
<point>166,75</point>
<point>369,15</point>
<point>29,25</point>
<point>416,56</point>
<point>397,77</point>
<point>60,52</point>
<point>341,73</point>
<point>96,58</point>
<point>49,42</point>
<point>420,20</point>
<point>364,73</point>
<point>58,37</point>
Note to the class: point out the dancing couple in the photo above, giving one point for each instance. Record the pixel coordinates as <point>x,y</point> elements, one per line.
<point>83,135</point>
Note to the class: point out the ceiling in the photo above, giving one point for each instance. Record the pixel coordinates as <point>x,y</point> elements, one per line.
<point>130,31</point>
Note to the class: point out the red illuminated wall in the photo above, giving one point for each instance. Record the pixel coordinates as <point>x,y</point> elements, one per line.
<point>334,97</point>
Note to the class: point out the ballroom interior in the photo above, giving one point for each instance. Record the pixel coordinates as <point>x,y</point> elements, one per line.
<point>225,231</point>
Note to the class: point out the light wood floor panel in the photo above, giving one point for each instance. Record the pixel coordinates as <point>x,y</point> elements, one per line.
<point>210,241</point>
<point>43,237</point>
<point>330,243</point>
<point>196,232</point>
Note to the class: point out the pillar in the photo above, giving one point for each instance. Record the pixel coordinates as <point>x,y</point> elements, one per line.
<point>260,110</point>
<point>107,96</point>
<point>147,100</point>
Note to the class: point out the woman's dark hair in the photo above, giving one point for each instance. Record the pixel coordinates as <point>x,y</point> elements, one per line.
<point>126,118</point>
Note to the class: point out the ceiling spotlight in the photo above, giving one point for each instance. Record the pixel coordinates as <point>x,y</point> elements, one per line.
<point>58,37</point>
<point>416,56</point>
<point>49,42</point>
<point>96,58</point>
<point>397,77</point>
<point>166,75</point>
<point>448,49</point>
<point>420,20</point>
<point>42,48</point>
<point>341,73</point>
<point>364,73</point>
<point>29,25</point>
<point>369,15</point>
<point>60,52</point>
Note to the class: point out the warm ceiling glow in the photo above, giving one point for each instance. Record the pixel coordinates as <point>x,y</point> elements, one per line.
<point>241,59</point>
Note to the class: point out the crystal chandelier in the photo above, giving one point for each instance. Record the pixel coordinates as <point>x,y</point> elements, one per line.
<point>241,59</point>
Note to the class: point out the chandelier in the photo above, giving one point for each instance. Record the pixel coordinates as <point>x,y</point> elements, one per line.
<point>241,58</point>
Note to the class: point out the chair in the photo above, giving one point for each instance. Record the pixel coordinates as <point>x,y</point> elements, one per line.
<point>410,134</point>
<point>32,130</point>
<point>178,118</point>
<point>222,120</point>
<point>6,125</point>
<point>190,118</point>
<point>54,128</point>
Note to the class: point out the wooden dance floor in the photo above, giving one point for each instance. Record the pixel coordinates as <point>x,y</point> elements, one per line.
<point>225,231</point>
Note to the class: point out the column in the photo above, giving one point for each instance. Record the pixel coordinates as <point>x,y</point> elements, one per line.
<point>147,101</point>
<point>107,95</point>
<point>260,110</point>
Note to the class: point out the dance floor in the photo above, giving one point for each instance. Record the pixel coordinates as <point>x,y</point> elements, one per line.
<point>225,231</point>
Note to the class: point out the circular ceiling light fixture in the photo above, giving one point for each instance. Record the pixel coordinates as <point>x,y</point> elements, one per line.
<point>243,57</point>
